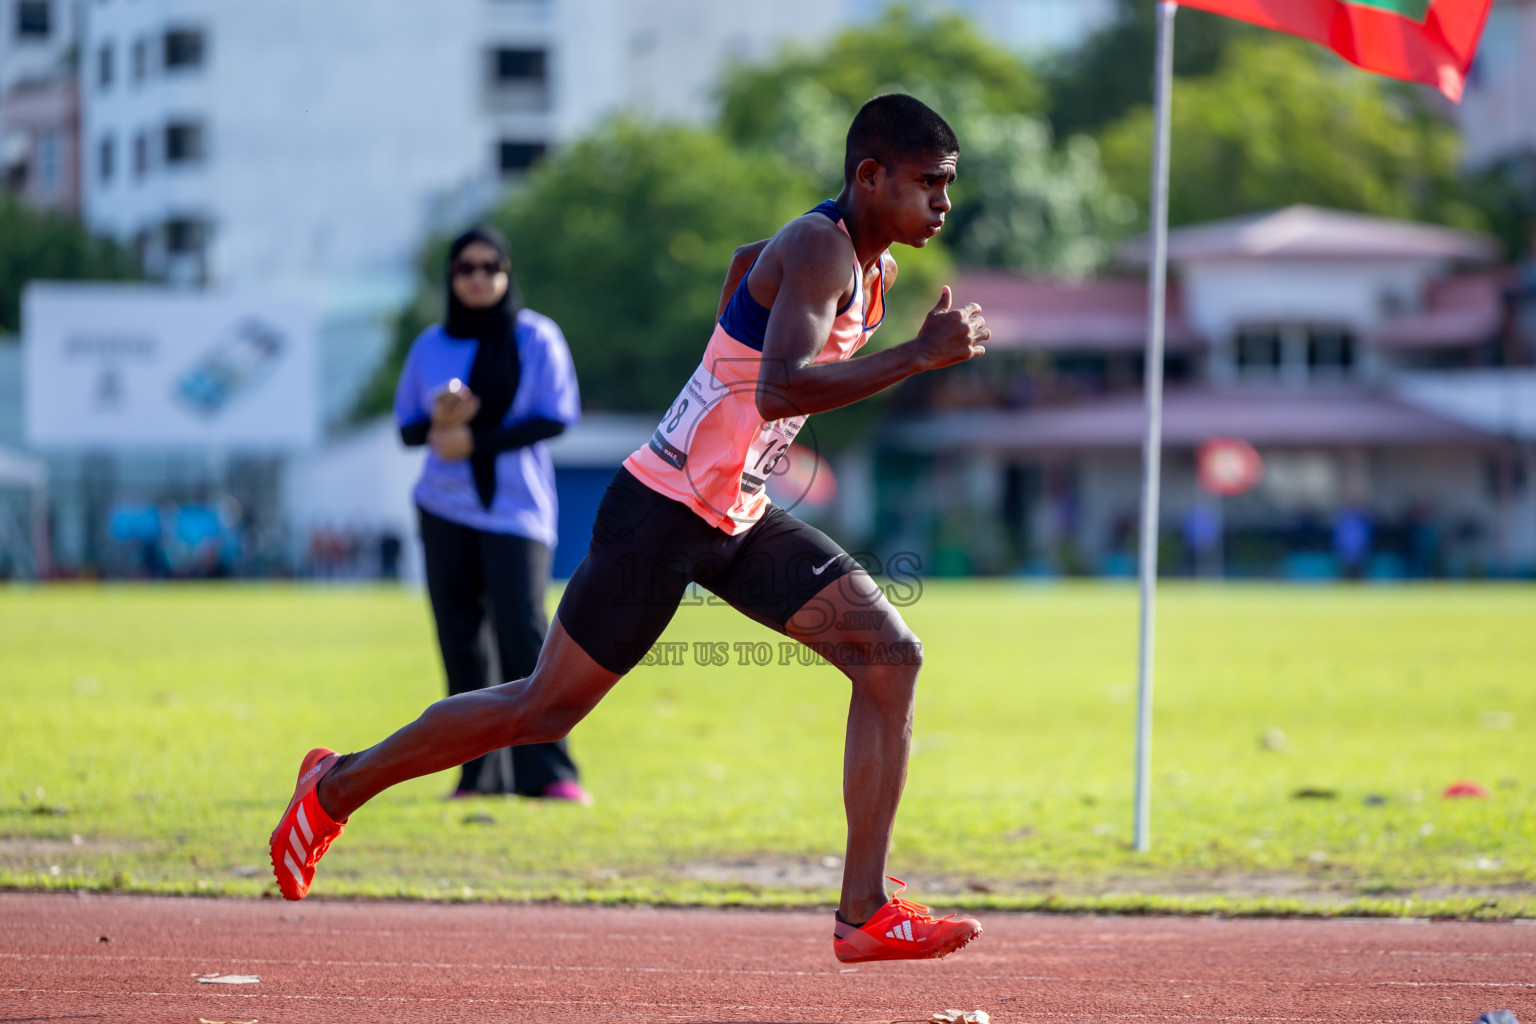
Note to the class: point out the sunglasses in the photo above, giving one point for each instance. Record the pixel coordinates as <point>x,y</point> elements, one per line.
<point>467,268</point>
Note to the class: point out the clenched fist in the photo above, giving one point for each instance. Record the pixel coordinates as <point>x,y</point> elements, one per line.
<point>950,336</point>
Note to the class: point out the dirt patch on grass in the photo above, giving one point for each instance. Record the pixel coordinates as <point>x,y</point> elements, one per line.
<point>14,851</point>
<point>826,874</point>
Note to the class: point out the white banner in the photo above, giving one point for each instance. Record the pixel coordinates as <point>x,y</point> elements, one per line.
<point>142,366</point>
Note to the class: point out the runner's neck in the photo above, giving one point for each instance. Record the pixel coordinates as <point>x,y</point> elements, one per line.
<point>866,250</point>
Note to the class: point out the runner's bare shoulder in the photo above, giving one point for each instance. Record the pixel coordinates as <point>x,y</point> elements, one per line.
<point>814,253</point>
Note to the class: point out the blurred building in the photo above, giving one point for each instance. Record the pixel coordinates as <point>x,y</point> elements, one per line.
<point>1376,365</point>
<point>246,142</point>
<point>39,102</point>
<point>1033,27</point>
<point>1496,115</point>
<point>300,153</point>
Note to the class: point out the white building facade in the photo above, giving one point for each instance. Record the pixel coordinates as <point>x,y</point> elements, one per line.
<point>1496,115</point>
<point>241,142</point>
<point>39,103</point>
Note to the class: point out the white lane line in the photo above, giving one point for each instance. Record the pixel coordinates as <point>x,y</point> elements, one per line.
<point>693,1007</point>
<point>604,968</point>
<point>1197,1016</point>
<point>285,931</point>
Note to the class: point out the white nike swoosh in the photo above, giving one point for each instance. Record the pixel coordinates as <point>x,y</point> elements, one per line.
<point>818,572</point>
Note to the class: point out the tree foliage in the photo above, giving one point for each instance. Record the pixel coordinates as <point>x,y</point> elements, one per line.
<point>1021,201</point>
<point>892,52</point>
<point>1025,203</point>
<point>1110,73</point>
<point>1506,193</point>
<point>36,245</point>
<point>623,238</point>
<point>1280,122</point>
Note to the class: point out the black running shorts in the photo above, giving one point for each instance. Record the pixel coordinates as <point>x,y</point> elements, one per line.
<point>646,550</point>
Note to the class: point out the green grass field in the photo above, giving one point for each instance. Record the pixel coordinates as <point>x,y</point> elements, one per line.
<point>150,738</point>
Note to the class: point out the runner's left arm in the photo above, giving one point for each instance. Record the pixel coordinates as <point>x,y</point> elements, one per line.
<point>741,262</point>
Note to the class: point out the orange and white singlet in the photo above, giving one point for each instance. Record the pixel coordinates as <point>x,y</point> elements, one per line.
<point>712,451</point>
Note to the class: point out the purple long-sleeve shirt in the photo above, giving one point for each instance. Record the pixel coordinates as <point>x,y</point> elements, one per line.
<point>525,502</point>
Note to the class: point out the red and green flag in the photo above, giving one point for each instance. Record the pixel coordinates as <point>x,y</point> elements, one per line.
<point>1429,41</point>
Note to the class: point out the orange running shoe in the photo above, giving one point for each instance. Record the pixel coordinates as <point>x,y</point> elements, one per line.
<point>306,831</point>
<point>902,930</point>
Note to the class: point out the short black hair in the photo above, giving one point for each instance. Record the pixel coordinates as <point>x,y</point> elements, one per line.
<point>894,127</point>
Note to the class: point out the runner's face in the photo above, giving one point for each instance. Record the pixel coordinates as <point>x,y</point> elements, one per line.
<point>915,194</point>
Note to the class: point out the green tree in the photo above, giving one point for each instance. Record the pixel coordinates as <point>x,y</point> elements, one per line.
<point>1021,201</point>
<point>1506,193</point>
<point>899,50</point>
<point>624,239</point>
<point>36,245</point>
<point>1110,73</point>
<point>1281,122</point>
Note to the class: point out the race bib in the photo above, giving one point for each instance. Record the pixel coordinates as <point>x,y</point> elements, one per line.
<point>675,432</point>
<point>767,450</point>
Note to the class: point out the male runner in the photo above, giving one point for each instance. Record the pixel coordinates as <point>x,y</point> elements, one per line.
<point>691,506</point>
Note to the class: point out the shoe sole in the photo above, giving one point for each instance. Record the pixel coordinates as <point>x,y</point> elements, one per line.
<point>952,946</point>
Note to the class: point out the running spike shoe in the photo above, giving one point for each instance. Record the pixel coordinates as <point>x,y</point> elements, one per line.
<point>305,831</point>
<point>902,930</point>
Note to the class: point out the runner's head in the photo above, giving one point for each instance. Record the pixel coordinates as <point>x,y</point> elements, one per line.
<point>901,158</point>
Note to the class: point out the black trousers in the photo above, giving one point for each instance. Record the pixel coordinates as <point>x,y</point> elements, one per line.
<point>474,577</point>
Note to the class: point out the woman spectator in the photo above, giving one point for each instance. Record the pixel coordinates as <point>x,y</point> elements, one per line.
<point>485,389</point>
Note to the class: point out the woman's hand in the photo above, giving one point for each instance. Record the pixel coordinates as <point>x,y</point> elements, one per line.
<point>455,408</point>
<point>451,443</point>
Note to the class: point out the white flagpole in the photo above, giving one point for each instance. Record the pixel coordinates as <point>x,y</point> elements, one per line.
<point>1152,445</point>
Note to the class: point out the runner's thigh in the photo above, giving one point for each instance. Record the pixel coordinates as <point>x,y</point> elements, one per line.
<point>644,553</point>
<point>793,578</point>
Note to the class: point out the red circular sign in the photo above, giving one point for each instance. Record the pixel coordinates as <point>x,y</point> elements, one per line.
<point>1228,467</point>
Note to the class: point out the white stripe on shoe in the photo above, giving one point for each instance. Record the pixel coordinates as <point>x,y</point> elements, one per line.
<point>293,841</point>
<point>309,834</point>
<point>293,869</point>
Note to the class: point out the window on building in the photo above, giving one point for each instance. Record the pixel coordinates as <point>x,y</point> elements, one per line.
<point>514,66</point>
<point>183,49</point>
<point>184,236</point>
<point>140,155</point>
<point>1258,351</point>
<point>1330,350</point>
<point>50,171</point>
<point>140,60</point>
<point>183,142</point>
<point>516,157</point>
<point>104,67</point>
<point>34,20</point>
<point>106,156</point>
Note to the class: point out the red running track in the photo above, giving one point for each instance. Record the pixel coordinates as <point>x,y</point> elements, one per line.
<point>401,962</point>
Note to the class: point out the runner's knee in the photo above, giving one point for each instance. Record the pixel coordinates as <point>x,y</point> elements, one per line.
<point>888,676</point>
<point>539,718</point>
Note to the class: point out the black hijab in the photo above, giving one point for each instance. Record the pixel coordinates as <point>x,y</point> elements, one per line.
<point>495,372</point>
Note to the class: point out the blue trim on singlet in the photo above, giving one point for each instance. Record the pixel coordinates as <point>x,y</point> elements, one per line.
<point>828,208</point>
<point>746,319</point>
